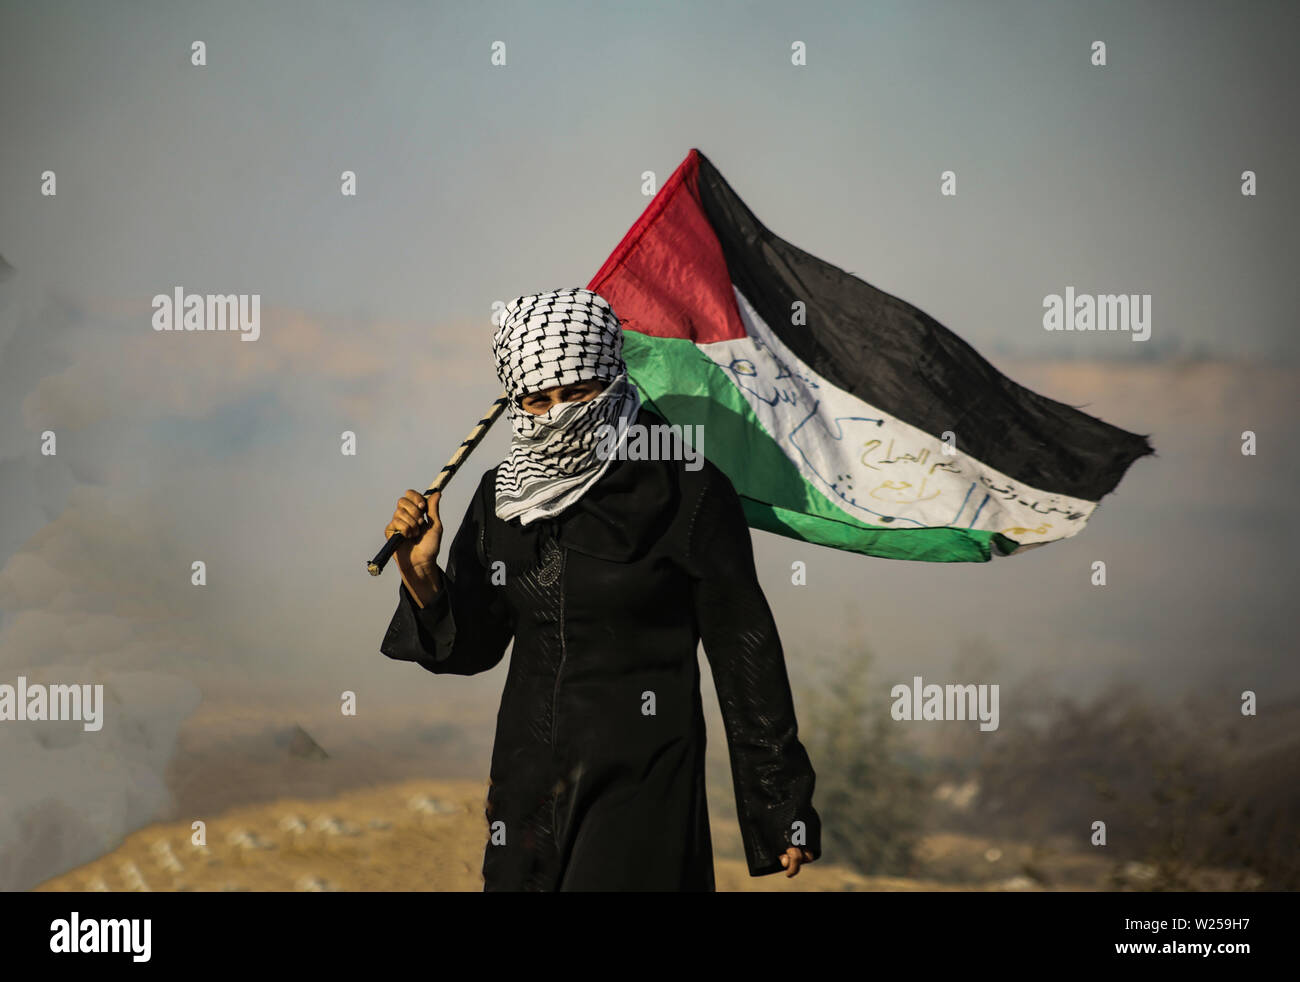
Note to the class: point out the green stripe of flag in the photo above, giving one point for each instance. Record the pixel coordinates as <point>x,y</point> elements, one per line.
<point>684,386</point>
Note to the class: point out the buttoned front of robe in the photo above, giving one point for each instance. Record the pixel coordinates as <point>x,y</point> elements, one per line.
<point>597,772</point>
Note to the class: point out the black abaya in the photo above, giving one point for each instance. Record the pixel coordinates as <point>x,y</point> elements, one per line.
<point>597,774</point>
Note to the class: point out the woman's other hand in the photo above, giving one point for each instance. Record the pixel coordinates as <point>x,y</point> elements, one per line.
<point>792,858</point>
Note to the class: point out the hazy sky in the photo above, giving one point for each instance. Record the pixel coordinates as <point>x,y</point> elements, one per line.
<point>479,183</point>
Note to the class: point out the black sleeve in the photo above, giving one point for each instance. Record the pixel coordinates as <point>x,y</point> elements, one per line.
<point>466,628</point>
<point>770,768</point>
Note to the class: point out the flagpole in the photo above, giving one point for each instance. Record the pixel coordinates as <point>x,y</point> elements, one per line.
<point>376,565</point>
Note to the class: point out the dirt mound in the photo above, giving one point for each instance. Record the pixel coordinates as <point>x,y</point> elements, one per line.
<point>413,835</point>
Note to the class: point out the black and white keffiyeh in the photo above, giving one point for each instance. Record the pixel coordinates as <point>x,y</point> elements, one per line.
<point>549,339</point>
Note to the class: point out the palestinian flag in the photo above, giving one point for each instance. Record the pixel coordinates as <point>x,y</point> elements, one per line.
<point>843,416</point>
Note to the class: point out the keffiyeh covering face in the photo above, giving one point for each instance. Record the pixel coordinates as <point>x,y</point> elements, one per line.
<point>548,339</point>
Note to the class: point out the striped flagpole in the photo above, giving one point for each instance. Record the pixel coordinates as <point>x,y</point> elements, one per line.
<point>376,565</point>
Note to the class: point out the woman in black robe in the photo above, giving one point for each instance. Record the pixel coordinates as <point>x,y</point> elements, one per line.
<point>597,773</point>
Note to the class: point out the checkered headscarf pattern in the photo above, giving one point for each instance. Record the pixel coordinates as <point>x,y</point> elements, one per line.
<point>557,338</point>
<point>545,340</point>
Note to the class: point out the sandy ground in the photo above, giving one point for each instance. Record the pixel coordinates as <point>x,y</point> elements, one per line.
<point>282,813</point>
<point>409,835</point>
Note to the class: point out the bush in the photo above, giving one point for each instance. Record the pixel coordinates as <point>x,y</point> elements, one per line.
<point>871,802</point>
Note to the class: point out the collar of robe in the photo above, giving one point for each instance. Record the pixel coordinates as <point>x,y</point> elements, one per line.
<point>618,518</point>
